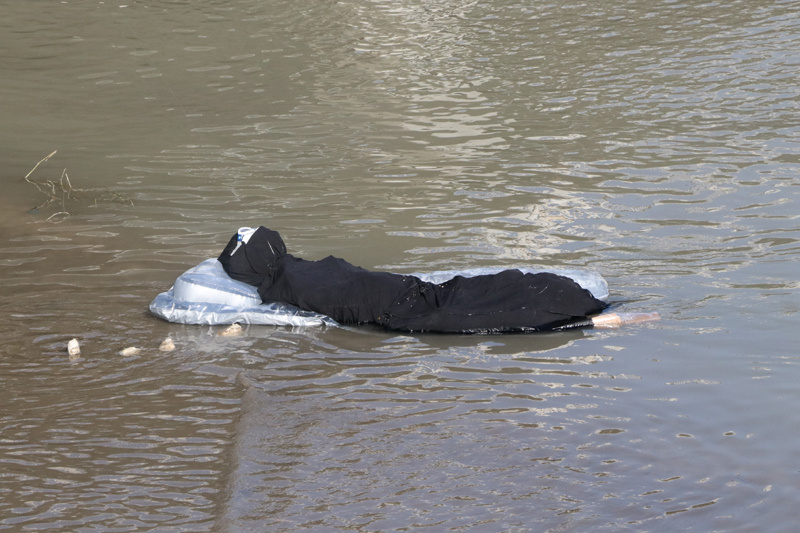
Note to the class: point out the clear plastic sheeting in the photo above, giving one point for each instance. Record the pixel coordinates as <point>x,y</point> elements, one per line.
<point>206,295</point>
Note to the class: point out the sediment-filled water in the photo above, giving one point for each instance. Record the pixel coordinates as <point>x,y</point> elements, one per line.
<point>654,142</point>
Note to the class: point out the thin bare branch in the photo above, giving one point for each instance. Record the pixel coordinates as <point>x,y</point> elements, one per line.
<point>39,163</point>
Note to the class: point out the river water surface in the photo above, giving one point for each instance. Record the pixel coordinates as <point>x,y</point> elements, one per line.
<point>656,142</point>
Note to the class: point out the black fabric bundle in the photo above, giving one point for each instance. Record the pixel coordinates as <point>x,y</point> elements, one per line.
<point>509,301</point>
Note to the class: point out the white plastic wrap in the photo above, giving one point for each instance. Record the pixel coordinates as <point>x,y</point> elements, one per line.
<point>206,295</point>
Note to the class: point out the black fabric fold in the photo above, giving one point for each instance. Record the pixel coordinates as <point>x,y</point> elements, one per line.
<point>510,301</point>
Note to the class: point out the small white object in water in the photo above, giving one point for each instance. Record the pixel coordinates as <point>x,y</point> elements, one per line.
<point>73,349</point>
<point>167,345</point>
<point>131,350</point>
<point>230,331</point>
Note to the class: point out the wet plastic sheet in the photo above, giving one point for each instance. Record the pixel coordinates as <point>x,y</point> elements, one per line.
<point>206,295</point>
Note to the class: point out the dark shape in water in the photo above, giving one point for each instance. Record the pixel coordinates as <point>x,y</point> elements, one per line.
<point>506,302</point>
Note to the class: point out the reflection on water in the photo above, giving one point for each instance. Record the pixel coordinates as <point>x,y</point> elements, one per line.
<point>654,142</point>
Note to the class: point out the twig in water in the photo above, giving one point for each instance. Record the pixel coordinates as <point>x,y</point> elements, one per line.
<point>62,190</point>
<point>48,188</point>
<point>28,175</point>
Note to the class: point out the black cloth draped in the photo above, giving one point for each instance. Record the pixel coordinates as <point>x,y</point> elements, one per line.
<point>509,301</point>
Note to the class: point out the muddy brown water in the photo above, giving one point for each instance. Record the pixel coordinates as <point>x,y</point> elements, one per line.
<point>654,142</point>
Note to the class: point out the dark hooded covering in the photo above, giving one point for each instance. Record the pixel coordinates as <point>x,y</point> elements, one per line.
<point>509,301</point>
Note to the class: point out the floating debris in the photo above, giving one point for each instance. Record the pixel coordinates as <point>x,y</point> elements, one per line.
<point>167,345</point>
<point>61,191</point>
<point>230,331</point>
<point>74,350</point>
<point>131,350</point>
